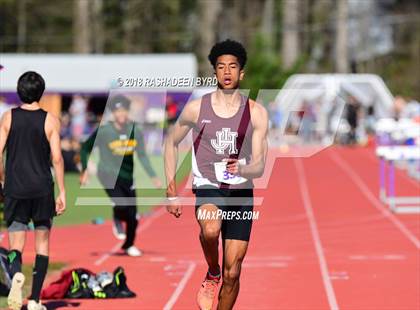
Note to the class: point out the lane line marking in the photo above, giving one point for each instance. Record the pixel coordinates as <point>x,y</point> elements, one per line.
<point>357,180</point>
<point>329,289</point>
<point>149,220</point>
<point>180,287</point>
<point>378,257</point>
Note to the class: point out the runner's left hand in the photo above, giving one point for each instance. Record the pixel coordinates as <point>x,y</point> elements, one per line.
<point>233,166</point>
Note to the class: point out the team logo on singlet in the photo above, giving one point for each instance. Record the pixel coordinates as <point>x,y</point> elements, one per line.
<point>225,139</point>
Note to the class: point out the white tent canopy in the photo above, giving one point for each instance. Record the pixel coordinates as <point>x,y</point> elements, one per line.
<point>79,73</point>
<point>368,89</point>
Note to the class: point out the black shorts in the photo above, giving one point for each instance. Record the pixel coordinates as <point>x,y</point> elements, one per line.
<point>39,210</point>
<point>237,206</point>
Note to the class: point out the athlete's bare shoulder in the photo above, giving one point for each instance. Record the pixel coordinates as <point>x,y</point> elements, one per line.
<point>191,111</point>
<point>52,123</point>
<point>6,120</point>
<point>259,115</point>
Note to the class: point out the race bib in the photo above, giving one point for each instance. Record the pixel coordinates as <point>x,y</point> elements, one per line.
<point>223,176</point>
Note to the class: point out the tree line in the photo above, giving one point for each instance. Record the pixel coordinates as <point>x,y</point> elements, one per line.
<point>282,36</point>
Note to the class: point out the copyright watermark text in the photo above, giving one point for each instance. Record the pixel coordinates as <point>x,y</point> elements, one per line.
<point>133,82</point>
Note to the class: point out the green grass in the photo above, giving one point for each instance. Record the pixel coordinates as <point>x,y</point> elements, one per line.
<point>27,271</point>
<point>80,214</point>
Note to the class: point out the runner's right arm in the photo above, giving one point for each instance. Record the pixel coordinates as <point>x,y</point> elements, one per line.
<point>183,125</point>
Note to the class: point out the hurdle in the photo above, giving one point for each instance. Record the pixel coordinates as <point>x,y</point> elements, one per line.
<point>388,156</point>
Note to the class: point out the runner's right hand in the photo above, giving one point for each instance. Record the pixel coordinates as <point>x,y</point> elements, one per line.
<point>174,207</point>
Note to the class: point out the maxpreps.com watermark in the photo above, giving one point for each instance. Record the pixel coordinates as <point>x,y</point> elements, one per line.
<point>162,82</point>
<point>227,215</point>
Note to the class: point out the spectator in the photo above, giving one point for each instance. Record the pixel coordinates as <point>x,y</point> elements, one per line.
<point>399,104</point>
<point>352,117</point>
<point>69,155</point>
<point>308,121</point>
<point>65,132</point>
<point>78,112</point>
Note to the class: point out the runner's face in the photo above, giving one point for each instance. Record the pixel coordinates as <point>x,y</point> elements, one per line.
<point>228,72</point>
<point>120,115</point>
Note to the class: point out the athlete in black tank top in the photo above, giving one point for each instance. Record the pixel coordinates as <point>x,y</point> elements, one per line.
<point>31,138</point>
<point>28,156</point>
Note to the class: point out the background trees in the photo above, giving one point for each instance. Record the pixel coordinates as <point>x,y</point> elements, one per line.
<point>376,36</point>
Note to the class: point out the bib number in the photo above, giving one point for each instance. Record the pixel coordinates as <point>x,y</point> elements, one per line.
<point>223,176</point>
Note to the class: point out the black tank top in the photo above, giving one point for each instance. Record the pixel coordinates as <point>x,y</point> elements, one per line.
<point>28,173</point>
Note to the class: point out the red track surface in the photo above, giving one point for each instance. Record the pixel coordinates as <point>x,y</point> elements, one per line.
<point>323,241</point>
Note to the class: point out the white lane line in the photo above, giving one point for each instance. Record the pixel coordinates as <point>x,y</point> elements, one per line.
<point>357,180</point>
<point>260,265</point>
<point>390,257</point>
<point>142,227</point>
<point>105,256</point>
<point>339,275</point>
<point>329,289</point>
<point>180,287</point>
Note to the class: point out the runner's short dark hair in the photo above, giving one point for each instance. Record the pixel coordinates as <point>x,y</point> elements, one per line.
<point>228,47</point>
<point>30,87</point>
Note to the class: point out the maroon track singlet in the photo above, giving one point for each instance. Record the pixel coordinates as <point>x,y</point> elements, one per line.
<point>216,138</point>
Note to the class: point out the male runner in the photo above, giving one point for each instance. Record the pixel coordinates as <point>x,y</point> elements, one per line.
<point>31,138</point>
<point>229,150</point>
<point>117,142</point>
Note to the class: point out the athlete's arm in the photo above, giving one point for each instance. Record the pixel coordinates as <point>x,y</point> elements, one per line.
<point>4,133</point>
<point>85,150</point>
<point>255,169</point>
<point>52,130</point>
<point>183,125</point>
<point>144,159</point>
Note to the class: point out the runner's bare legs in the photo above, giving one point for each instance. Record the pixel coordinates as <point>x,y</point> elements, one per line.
<point>234,253</point>
<point>209,238</point>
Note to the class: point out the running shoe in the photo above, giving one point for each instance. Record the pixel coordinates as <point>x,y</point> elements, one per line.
<point>207,292</point>
<point>14,300</point>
